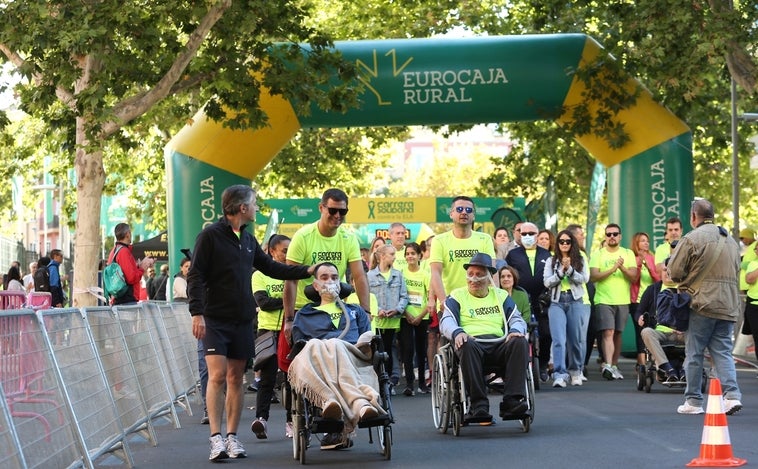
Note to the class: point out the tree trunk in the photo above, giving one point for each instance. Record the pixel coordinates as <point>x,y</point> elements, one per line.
<point>89,190</point>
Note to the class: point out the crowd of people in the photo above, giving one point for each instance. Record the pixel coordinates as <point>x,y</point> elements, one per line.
<point>520,280</point>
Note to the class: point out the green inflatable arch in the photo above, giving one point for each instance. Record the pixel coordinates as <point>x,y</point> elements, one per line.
<point>448,81</point>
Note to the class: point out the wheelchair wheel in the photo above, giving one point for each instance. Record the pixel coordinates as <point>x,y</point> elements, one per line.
<point>440,395</point>
<point>530,381</point>
<point>640,377</point>
<point>457,419</point>
<point>535,364</point>
<point>384,435</point>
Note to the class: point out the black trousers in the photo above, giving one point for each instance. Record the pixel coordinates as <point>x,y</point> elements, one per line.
<point>266,384</point>
<point>413,340</point>
<point>508,358</point>
<point>751,318</point>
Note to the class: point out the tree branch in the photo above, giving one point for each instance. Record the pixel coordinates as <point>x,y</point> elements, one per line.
<point>137,105</point>
<point>64,95</point>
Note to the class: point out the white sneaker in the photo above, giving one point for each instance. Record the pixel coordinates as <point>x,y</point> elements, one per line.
<point>559,382</point>
<point>686,408</point>
<point>576,379</point>
<point>234,448</point>
<point>616,373</point>
<point>607,372</point>
<point>288,432</point>
<point>218,448</point>
<point>732,406</point>
<point>259,427</point>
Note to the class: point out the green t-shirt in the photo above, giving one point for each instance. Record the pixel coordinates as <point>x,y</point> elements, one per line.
<point>372,302</point>
<point>417,284</point>
<point>269,320</point>
<point>662,252</point>
<point>481,316</point>
<point>747,257</point>
<point>453,253</point>
<point>616,288</point>
<point>309,247</point>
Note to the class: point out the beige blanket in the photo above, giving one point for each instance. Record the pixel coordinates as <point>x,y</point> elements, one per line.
<point>335,370</point>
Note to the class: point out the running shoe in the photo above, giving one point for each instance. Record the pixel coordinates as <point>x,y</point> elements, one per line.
<point>288,431</point>
<point>687,408</point>
<point>218,448</point>
<point>259,428</point>
<point>234,448</point>
<point>732,406</point>
<point>616,373</point>
<point>608,372</point>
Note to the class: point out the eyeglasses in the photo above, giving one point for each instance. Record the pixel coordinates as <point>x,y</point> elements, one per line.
<point>564,241</point>
<point>461,209</point>
<point>335,211</point>
<point>528,233</point>
<point>612,235</point>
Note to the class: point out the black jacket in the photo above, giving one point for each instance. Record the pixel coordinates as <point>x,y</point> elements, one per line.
<point>219,280</point>
<point>532,282</point>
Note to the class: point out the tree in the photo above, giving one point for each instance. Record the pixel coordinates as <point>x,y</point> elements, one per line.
<point>104,65</point>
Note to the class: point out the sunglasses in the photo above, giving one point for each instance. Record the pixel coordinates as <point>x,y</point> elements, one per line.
<point>564,241</point>
<point>335,211</point>
<point>461,209</point>
<point>612,235</point>
<point>528,233</point>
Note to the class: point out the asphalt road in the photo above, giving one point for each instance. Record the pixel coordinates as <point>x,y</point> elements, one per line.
<point>600,424</point>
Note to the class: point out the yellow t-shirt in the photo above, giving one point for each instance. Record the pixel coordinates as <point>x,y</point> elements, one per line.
<point>752,290</point>
<point>748,257</point>
<point>269,320</point>
<point>373,305</point>
<point>481,316</point>
<point>309,247</point>
<point>400,262</point>
<point>453,253</point>
<point>417,284</point>
<point>616,288</point>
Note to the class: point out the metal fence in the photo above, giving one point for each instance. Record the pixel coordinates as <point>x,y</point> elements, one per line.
<point>77,385</point>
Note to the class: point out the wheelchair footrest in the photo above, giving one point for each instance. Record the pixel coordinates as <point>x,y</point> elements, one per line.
<point>525,415</point>
<point>380,421</point>
<point>478,420</point>
<point>320,425</point>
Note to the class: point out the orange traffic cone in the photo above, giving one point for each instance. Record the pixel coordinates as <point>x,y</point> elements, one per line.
<point>715,446</point>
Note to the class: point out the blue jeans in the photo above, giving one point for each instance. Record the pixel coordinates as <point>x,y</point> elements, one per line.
<point>716,335</point>
<point>568,328</point>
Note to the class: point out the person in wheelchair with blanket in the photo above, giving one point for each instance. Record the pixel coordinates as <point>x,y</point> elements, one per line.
<point>335,373</point>
<point>479,311</point>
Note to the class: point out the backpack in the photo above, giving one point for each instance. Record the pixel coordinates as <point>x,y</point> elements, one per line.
<point>114,283</point>
<point>42,279</point>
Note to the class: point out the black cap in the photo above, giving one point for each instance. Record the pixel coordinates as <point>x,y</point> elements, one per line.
<point>483,260</point>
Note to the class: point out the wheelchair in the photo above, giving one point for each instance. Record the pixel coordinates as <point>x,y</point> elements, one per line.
<point>648,373</point>
<point>450,401</point>
<point>306,416</point>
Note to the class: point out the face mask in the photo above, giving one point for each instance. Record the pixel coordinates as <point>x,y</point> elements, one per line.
<point>333,288</point>
<point>528,241</point>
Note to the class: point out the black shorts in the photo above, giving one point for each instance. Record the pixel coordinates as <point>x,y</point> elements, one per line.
<point>233,340</point>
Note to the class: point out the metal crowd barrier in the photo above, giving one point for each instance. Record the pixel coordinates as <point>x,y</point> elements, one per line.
<point>170,347</point>
<point>33,392</point>
<point>11,456</point>
<point>155,384</point>
<point>96,421</point>
<point>120,372</point>
<point>76,385</point>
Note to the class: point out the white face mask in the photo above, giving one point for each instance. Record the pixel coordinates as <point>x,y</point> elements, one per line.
<point>528,241</point>
<point>333,288</point>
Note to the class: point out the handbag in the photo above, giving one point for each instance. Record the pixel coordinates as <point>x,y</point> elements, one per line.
<point>265,349</point>
<point>284,350</point>
<point>673,307</point>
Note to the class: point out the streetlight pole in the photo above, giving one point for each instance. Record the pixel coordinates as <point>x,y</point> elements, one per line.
<point>45,188</point>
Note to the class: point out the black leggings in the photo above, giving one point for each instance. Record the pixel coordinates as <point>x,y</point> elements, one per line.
<point>413,340</point>
<point>388,336</point>
<point>751,318</point>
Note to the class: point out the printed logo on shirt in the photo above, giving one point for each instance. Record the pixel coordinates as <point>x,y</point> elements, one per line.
<point>483,311</point>
<point>275,288</point>
<point>329,256</point>
<point>466,254</point>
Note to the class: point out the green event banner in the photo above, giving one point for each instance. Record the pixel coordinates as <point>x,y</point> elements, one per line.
<point>651,188</point>
<point>434,81</point>
<point>379,210</point>
<point>194,201</point>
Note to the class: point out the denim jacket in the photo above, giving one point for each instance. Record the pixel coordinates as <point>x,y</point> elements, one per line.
<point>390,294</point>
<point>554,276</point>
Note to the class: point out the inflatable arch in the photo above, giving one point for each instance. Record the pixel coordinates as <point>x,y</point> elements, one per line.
<point>448,81</point>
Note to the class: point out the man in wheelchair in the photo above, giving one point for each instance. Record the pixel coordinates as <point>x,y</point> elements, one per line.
<point>335,373</point>
<point>655,334</point>
<point>479,311</point>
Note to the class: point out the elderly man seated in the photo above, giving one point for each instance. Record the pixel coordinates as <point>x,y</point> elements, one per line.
<point>335,374</point>
<point>481,311</point>
<point>655,334</point>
